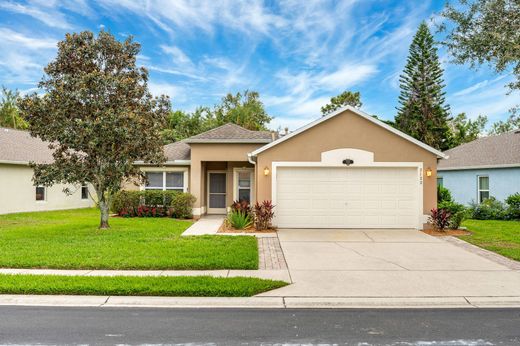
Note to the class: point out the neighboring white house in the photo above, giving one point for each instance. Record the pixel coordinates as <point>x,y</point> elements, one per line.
<point>18,193</point>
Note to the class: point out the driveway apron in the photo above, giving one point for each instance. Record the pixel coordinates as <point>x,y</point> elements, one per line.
<point>387,263</point>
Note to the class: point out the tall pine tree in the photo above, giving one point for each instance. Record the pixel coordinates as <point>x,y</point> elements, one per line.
<point>423,113</point>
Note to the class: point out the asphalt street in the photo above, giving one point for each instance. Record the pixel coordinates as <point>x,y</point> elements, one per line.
<point>68,325</point>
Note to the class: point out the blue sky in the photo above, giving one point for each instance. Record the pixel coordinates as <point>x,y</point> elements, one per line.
<point>297,54</point>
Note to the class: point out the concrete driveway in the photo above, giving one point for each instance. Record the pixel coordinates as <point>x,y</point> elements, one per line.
<point>388,263</point>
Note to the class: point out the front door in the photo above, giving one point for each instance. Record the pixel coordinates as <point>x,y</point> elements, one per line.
<point>216,193</point>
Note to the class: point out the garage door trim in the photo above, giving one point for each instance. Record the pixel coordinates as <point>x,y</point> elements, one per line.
<point>417,165</point>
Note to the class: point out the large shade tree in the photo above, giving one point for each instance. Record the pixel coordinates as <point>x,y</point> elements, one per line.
<point>96,110</point>
<point>423,113</point>
<point>484,32</point>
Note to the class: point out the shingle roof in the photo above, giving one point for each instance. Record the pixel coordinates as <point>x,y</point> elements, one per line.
<point>19,146</point>
<point>231,133</point>
<point>492,151</point>
<point>177,151</point>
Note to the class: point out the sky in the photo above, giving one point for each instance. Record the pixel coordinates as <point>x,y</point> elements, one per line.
<point>296,54</point>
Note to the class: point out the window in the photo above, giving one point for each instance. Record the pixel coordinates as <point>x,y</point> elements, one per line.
<point>175,181</point>
<point>40,193</point>
<point>483,188</point>
<point>84,192</point>
<point>440,181</point>
<point>165,181</point>
<point>243,183</point>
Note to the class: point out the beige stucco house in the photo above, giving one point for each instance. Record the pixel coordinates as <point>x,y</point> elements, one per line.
<point>344,170</point>
<point>17,149</point>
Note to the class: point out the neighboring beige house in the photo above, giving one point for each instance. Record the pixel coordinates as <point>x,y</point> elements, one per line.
<point>17,149</point>
<point>344,170</point>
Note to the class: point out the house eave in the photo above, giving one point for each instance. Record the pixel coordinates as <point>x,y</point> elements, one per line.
<point>463,168</point>
<point>12,162</point>
<point>228,141</point>
<point>166,163</point>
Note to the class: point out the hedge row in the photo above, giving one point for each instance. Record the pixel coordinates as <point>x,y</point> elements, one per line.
<point>153,203</point>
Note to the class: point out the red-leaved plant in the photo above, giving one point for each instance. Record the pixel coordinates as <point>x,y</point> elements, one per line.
<point>264,213</point>
<point>242,206</point>
<point>440,218</point>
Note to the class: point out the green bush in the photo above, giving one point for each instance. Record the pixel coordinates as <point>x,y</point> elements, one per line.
<point>153,203</point>
<point>443,194</point>
<point>490,209</point>
<point>126,200</point>
<point>239,219</point>
<point>458,213</point>
<point>182,205</point>
<point>514,206</point>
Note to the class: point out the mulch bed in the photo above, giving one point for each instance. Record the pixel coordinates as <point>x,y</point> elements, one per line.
<point>448,232</point>
<point>225,228</point>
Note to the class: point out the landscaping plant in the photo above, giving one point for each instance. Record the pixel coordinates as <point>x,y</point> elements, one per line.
<point>489,209</point>
<point>457,211</point>
<point>239,219</point>
<point>242,206</point>
<point>264,213</point>
<point>440,219</point>
<point>95,107</point>
<point>514,206</point>
<point>153,203</point>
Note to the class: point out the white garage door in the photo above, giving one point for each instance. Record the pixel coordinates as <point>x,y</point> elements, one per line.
<point>347,197</point>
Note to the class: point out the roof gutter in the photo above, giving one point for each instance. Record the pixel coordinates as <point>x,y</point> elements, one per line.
<point>251,159</point>
<point>166,163</point>
<point>10,162</point>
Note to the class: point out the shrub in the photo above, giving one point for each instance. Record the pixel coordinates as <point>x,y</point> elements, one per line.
<point>239,219</point>
<point>242,206</point>
<point>514,206</point>
<point>182,205</point>
<point>489,209</point>
<point>153,203</point>
<point>264,214</point>
<point>439,218</point>
<point>457,211</point>
<point>443,194</point>
<point>125,203</point>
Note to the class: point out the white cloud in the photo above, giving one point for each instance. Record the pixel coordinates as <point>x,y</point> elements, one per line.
<point>39,12</point>
<point>16,38</point>
<point>176,93</point>
<point>347,76</point>
<point>179,57</point>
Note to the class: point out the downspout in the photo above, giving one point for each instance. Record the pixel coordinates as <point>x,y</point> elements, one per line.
<point>253,162</point>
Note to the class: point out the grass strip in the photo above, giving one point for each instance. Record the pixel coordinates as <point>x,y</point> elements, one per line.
<point>178,286</point>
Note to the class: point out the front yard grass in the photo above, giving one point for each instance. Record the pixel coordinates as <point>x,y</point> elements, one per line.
<point>502,237</point>
<point>178,286</point>
<point>70,240</point>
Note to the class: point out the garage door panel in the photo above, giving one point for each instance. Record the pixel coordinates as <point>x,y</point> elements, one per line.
<point>317,197</point>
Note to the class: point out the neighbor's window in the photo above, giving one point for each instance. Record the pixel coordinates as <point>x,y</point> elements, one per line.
<point>483,188</point>
<point>244,185</point>
<point>40,193</point>
<point>440,181</point>
<point>165,181</point>
<point>84,192</point>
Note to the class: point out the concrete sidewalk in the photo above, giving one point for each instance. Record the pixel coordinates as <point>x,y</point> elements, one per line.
<point>261,302</point>
<point>278,274</point>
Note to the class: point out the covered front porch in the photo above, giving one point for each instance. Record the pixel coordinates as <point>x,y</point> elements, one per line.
<point>221,183</point>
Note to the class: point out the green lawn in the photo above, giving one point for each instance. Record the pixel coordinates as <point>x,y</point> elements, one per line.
<point>502,237</point>
<point>179,286</point>
<point>70,240</point>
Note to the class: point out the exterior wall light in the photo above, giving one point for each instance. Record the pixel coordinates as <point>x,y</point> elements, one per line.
<point>428,172</point>
<point>266,171</point>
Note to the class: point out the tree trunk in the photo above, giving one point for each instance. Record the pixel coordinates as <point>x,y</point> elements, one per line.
<point>103,207</point>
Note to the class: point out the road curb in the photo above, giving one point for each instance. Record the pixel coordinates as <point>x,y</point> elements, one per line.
<point>261,302</point>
